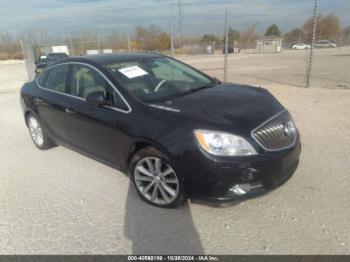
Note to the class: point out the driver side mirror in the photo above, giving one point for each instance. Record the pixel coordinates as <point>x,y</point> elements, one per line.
<point>97,98</point>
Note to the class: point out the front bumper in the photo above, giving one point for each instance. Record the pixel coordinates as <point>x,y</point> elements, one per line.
<point>241,177</point>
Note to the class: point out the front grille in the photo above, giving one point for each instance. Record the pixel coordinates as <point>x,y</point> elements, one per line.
<point>277,133</point>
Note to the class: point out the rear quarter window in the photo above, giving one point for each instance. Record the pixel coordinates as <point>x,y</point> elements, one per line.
<point>43,77</point>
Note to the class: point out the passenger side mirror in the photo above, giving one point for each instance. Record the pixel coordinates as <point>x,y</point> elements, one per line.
<point>217,81</point>
<point>97,98</point>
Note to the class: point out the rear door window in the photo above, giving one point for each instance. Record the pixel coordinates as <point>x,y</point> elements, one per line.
<point>56,78</point>
<point>43,78</point>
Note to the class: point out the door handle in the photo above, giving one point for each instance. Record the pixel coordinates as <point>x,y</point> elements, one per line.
<point>69,111</point>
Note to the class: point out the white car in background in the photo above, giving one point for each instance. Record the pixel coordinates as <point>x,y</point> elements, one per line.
<point>300,46</point>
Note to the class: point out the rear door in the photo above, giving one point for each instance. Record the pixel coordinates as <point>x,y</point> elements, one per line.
<point>53,102</point>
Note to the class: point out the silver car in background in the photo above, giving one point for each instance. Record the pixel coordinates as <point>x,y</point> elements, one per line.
<point>325,44</point>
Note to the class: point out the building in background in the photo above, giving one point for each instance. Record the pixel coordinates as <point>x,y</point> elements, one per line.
<point>269,44</point>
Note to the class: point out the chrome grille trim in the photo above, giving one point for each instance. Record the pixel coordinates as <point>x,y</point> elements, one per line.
<point>269,136</point>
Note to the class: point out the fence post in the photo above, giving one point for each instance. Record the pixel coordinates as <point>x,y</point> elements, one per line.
<point>128,38</point>
<point>226,47</point>
<point>98,44</point>
<point>308,71</point>
<point>24,57</point>
<point>71,46</point>
<point>171,40</point>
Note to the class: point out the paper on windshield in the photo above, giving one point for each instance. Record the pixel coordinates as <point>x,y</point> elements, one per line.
<point>133,71</point>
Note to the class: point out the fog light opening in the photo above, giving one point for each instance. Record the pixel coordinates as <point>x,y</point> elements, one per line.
<point>242,189</point>
<point>239,190</point>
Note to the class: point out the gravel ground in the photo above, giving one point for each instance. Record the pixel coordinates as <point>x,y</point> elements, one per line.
<point>60,202</point>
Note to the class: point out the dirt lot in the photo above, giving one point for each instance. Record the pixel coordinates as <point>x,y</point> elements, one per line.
<point>329,67</point>
<point>60,202</point>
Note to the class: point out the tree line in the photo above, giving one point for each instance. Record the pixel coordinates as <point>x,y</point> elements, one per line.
<point>328,28</point>
<point>151,38</point>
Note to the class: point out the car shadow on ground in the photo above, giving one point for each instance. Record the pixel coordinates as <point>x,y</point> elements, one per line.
<point>155,230</point>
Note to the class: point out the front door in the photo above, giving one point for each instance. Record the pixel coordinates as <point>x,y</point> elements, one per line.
<point>97,130</point>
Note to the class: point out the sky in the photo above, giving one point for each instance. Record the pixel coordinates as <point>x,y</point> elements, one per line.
<point>64,17</point>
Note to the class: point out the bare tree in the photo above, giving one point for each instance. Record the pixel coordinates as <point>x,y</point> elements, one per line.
<point>9,47</point>
<point>151,38</point>
<point>248,36</point>
<point>327,27</point>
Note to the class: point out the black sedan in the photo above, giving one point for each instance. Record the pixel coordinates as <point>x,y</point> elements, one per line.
<point>177,132</point>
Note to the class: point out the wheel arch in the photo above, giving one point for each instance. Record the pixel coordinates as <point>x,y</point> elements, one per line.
<point>142,143</point>
<point>28,112</point>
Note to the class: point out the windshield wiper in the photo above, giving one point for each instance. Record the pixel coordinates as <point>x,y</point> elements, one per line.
<point>191,91</point>
<point>174,96</point>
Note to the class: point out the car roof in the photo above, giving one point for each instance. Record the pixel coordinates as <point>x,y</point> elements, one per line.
<point>58,53</point>
<point>110,58</point>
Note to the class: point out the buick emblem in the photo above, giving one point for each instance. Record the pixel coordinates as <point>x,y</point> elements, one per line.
<point>289,129</point>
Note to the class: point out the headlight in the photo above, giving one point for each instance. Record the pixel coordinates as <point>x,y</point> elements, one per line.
<point>223,144</point>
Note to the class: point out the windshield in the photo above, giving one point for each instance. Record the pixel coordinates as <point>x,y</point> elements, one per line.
<point>158,79</point>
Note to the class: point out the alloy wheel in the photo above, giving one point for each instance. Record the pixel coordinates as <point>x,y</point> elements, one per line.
<point>156,180</point>
<point>36,131</point>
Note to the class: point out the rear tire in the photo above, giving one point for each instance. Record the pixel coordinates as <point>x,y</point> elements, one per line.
<point>37,133</point>
<point>155,179</point>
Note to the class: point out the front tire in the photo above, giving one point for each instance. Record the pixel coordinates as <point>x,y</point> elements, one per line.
<point>156,180</point>
<point>37,133</point>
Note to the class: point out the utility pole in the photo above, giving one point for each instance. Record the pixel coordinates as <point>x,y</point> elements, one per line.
<point>177,14</point>
<point>226,47</point>
<point>128,38</point>
<point>308,72</point>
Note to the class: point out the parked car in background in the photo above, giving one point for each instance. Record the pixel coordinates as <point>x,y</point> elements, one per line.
<point>300,46</point>
<point>48,59</point>
<point>230,49</point>
<point>325,44</point>
<point>176,131</point>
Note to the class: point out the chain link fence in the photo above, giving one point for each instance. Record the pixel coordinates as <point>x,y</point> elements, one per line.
<point>252,58</point>
<point>29,58</point>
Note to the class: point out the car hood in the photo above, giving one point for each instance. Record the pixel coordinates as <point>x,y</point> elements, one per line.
<point>230,107</point>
